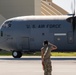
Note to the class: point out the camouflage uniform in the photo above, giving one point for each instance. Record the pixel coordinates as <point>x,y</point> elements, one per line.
<point>47,61</point>
<point>47,67</point>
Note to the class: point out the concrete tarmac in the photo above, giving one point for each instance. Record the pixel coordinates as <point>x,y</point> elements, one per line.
<point>31,65</point>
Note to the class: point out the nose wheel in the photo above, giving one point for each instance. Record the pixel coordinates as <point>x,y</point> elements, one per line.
<point>16,54</point>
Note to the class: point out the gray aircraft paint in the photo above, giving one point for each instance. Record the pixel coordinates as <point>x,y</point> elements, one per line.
<point>28,33</point>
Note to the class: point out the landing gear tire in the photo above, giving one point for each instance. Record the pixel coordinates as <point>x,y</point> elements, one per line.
<point>16,54</point>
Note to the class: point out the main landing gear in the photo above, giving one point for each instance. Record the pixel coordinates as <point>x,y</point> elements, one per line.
<point>17,54</point>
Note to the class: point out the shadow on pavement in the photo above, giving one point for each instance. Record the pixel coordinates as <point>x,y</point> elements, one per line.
<point>36,58</point>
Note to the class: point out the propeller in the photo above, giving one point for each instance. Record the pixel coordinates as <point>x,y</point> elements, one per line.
<point>72,19</point>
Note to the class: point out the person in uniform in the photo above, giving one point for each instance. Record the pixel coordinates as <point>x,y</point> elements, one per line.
<point>45,54</point>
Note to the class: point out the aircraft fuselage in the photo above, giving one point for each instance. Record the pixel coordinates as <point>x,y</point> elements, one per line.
<point>28,33</point>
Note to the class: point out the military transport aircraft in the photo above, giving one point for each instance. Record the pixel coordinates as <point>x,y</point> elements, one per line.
<point>27,33</point>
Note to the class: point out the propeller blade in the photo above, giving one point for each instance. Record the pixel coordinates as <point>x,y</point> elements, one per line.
<point>73,23</point>
<point>72,20</point>
<point>73,17</point>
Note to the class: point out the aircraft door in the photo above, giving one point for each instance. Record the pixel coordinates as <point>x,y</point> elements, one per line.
<point>60,40</point>
<point>25,43</point>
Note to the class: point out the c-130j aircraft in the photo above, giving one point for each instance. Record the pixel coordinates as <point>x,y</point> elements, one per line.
<point>27,33</point>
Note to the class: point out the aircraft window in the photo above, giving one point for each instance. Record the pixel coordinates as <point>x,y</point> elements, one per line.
<point>58,39</point>
<point>43,33</point>
<point>70,38</point>
<point>7,24</point>
<point>4,25</point>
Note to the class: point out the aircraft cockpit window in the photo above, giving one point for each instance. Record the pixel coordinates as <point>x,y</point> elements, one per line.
<point>7,24</point>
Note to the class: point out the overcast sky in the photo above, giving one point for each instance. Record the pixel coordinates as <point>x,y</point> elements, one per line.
<point>66,4</point>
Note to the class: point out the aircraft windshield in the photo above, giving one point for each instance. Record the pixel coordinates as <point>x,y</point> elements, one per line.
<point>7,24</point>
